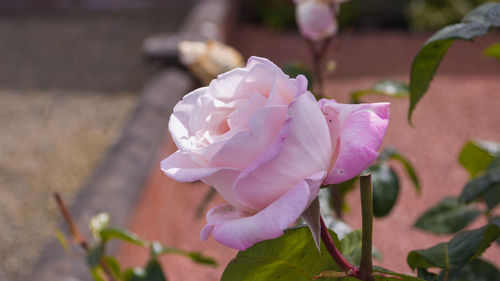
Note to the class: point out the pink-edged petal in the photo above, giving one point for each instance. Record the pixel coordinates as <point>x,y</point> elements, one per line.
<point>358,131</point>
<point>243,148</point>
<point>305,150</point>
<point>240,230</point>
<point>181,167</point>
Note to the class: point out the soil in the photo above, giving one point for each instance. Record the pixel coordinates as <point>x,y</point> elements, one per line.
<point>461,104</point>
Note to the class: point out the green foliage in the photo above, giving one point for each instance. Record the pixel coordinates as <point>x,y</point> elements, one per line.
<point>95,254</point>
<point>476,23</point>
<point>108,233</point>
<point>392,275</point>
<point>391,88</point>
<point>292,256</point>
<point>278,14</point>
<point>294,68</point>
<point>476,270</point>
<point>350,247</point>
<point>385,189</point>
<point>461,249</point>
<point>479,187</point>
<point>435,14</point>
<point>386,181</point>
<point>493,51</point>
<point>391,153</point>
<point>477,155</point>
<point>157,249</point>
<point>152,272</point>
<point>449,216</point>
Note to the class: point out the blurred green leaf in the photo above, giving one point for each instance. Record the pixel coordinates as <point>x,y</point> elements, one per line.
<point>97,223</point>
<point>475,270</point>
<point>293,256</point>
<point>97,274</point>
<point>350,247</point>
<point>152,272</point>
<point>94,255</point>
<point>426,275</point>
<point>496,221</point>
<point>385,189</point>
<point>392,88</point>
<point>108,233</point>
<point>493,51</point>
<point>476,23</point>
<point>476,156</point>
<point>392,153</point>
<point>492,196</point>
<point>476,188</point>
<point>114,266</point>
<point>449,216</point>
<point>461,249</point>
<point>158,249</point>
<point>62,240</point>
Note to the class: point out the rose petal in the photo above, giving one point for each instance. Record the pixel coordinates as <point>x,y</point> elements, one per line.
<point>306,150</point>
<point>181,167</point>
<point>358,131</point>
<point>240,230</point>
<point>247,145</point>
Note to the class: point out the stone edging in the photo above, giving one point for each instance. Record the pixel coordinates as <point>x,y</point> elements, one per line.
<point>116,184</point>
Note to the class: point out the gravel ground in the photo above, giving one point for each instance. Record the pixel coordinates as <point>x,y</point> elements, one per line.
<point>50,141</point>
<point>68,81</point>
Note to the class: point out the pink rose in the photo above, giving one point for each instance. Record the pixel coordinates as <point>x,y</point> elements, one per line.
<point>316,19</point>
<point>263,142</point>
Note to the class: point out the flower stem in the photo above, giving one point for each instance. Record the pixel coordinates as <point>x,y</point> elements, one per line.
<point>366,267</point>
<point>335,253</point>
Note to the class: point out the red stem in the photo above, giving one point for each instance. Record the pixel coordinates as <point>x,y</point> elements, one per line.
<point>335,253</point>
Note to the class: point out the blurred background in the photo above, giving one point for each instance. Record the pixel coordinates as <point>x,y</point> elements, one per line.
<point>71,74</point>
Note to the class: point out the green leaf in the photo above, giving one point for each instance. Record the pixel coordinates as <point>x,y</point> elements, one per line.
<point>493,51</point>
<point>94,255</point>
<point>496,221</point>
<point>350,247</point>
<point>97,274</point>
<point>295,68</point>
<point>385,189</point>
<point>476,270</point>
<point>476,156</point>
<point>122,234</point>
<point>390,88</point>
<point>158,249</point>
<point>293,256</point>
<point>114,266</point>
<point>424,274</point>
<point>449,216</point>
<point>152,272</point>
<point>393,275</point>
<point>392,153</point>
<point>476,23</point>
<point>97,223</point>
<point>477,188</point>
<point>62,240</point>
<point>492,196</point>
<point>461,249</point>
